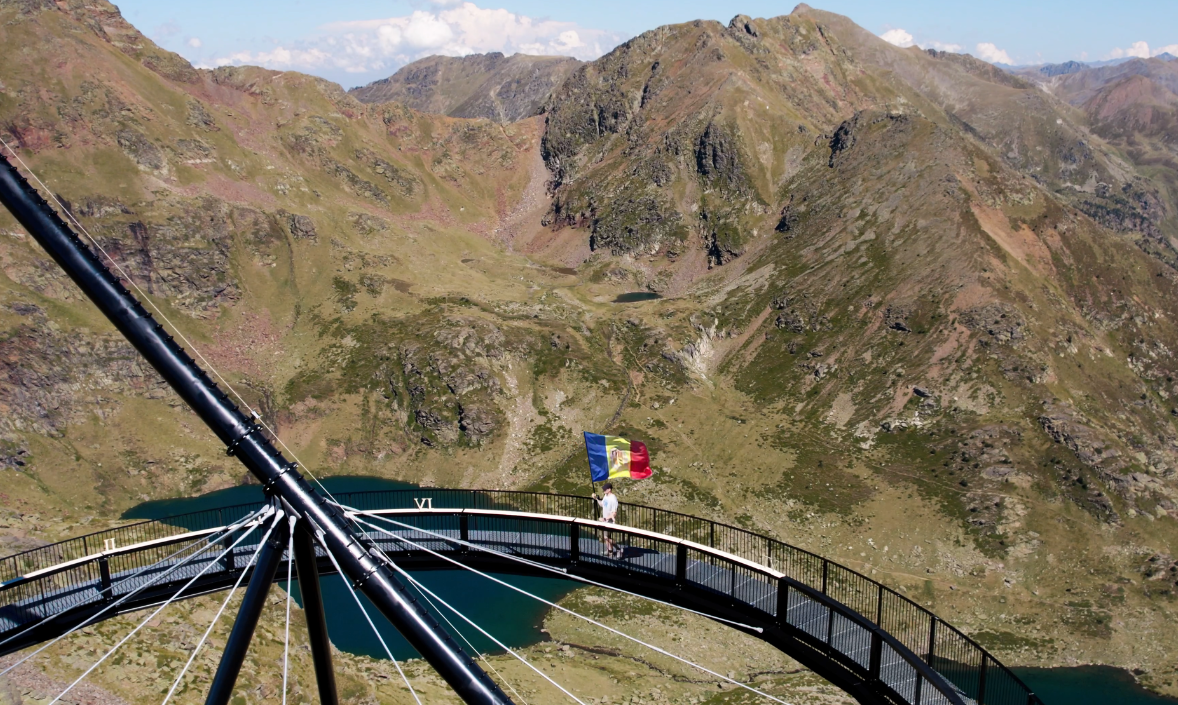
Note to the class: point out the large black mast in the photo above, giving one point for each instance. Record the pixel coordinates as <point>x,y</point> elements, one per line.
<point>244,439</point>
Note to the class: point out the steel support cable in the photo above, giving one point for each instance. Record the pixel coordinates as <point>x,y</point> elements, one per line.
<point>151,616</point>
<point>143,296</point>
<point>540,566</point>
<point>224,604</point>
<point>421,591</point>
<point>375,631</point>
<point>290,559</point>
<point>255,516</point>
<point>590,620</point>
<point>426,591</point>
<point>209,543</point>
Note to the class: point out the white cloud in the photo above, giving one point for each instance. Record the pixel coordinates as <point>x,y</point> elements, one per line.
<point>194,42</point>
<point>1141,50</point>
<point>987,51</point>
<point>1136,49</point>
<point>449,27</point>
<point>898,37</point>
<point>903,39</point>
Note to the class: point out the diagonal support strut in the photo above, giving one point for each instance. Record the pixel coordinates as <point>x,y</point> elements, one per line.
<point>356,554</point>
<point>312,593</point>
<point>247,616</point>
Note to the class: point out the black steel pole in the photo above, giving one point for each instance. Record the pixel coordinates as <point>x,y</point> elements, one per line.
<point>312,593</point>
<point>356,554</point>
<point>247,616</point>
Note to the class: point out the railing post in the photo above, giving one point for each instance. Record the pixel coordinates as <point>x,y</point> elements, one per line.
<point>680,565</point>
<point>825,566</point>
<point>712,534</point>
<point>464,531</point>
<point>932,638</point>
<point>104,578</point>
<point>879,607</point>
<point>982,680</point>
<point>876,656</point>
<point>916,689</point>
<point>574,542</point>
<point>829,630</point>
<point>228,561</point>
<point>782,602</point>
<point>85,547</point>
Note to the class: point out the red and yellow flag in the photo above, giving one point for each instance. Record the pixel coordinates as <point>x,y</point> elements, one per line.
<point>614,456</point>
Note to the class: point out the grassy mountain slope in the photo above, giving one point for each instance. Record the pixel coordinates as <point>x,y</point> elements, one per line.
<point>897,330</point>
<point>493,86</point>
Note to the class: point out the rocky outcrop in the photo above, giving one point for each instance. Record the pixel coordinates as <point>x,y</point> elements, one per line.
<point>1065,427</point>
<point>843,139</point>
<point>141,150</point>
<point>50,379</point>
<point>1162,570</point>
<point>403,180</point>
<point>449,383</point>
<point>999,323</point>
<point>799,314</point>
<point>367,224</point>
<point>301,226</point>
<point>184,256</point>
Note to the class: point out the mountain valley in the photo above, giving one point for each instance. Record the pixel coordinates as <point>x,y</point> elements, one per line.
<point>916,313</point>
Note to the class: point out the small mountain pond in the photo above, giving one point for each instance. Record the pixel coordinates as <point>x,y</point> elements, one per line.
<point>636,296</point>
<point>517,620</point>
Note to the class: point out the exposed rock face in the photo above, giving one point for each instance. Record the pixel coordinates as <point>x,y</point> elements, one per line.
<point>50,379</point>
<point>185,257</point>
<point>141,150</point>
<point>493,86</point>
<point>450,382</point>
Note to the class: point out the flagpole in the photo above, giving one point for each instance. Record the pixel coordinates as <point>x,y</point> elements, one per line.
<point>592,484</point>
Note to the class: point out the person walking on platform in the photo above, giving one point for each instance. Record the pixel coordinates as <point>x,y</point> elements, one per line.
<point>609,514</point>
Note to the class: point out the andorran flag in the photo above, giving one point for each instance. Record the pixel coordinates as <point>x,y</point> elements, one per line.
<point>613,456</point>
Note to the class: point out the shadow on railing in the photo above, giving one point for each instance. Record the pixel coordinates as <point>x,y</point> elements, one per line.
<point>967,665</point>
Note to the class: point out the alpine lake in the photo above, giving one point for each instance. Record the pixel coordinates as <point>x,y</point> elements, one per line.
<point>517,620</point>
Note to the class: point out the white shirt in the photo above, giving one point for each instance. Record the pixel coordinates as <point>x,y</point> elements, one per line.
<point>609,506</point>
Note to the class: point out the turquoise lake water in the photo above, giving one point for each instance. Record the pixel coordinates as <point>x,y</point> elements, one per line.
<point>1088,685</point>
<point>517,620</point>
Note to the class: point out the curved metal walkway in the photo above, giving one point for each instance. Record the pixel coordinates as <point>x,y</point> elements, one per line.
<point>872,642</point>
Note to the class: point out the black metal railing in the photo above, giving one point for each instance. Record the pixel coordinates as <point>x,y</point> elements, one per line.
<point>54,554</point>
<point>960,659</point>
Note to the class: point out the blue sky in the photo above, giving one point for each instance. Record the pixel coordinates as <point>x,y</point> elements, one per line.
<point>357,41</point>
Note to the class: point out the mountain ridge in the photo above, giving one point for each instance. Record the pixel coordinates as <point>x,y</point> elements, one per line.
<point>493,86</point>
<point>917,312</point>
